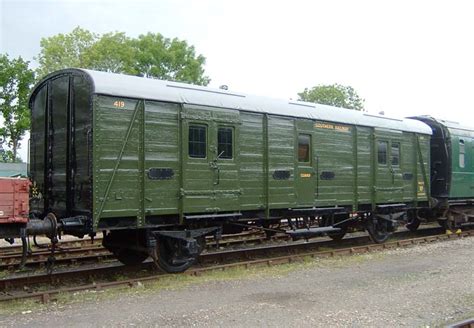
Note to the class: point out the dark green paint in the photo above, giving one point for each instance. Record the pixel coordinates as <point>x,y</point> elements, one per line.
<point>125,142</point>
<point>462,179</point>
<point>130,146</point>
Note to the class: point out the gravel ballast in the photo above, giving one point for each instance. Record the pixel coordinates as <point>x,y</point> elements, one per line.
<point>428,285</point>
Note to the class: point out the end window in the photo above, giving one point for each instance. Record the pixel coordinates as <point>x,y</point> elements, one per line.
<point>197,141</point>
<point>224,143</point>
<point>304,146</point>
<point>382,152</point>
<point>395,154</point>
<point>462,151</point>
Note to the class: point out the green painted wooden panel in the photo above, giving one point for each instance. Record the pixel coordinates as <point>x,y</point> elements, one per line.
<point>252,172</point>
<point>334,151</point>
<point>364,162</point>
<point>116,160</point>
<point>408,163</point>
<point>210,184</point>
<point>132,137</point>
<point>281,157</point>
<point>462,179</point>
<point>305,171</point>
<point>423,168</point>
<point>162,153</point>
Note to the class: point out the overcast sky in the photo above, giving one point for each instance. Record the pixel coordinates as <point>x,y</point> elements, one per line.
<point>403,57</point>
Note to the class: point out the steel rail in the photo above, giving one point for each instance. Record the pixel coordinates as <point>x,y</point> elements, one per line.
<point>75,253</point>
<point>246,260</point>
<point>75,243</point>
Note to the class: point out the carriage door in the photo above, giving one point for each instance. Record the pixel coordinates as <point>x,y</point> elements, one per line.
<point>306,177</point>
<point>224,164</point>
<point>396,169</point>
<point>389,185</point>
<point>209,160</point>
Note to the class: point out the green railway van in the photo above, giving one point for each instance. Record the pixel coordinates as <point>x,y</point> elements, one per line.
<point>153,162</point>
<point>452,171</point>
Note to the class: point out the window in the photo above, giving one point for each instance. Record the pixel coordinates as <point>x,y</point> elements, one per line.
<point>224,143</point>
<point>197,141</point>
<point>304,142</point>
<point>382,152</point>
<point>395,154</point>
<point>462,151</point>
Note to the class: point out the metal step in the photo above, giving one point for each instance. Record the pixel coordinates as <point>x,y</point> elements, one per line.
<point>317,210</point>
<point>312,232</point>
<point>384,206</point>
<point>211,216</point>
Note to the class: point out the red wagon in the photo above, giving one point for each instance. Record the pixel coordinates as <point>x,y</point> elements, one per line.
<point>14,200</point>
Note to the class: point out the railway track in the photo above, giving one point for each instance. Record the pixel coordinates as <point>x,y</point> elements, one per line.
<point>79,251</point>
<point>73,252</point>
<point>71,243</point>
<point>44,286</point>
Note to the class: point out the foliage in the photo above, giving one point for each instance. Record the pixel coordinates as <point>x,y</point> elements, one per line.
<point>333,95</point>
<point>16,79</point>
<point>110,53</point>
<point>64,50</point>
<point>161,57</point>
<point>149,55</point>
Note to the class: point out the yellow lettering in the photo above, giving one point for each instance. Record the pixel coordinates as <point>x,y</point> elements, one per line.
<point>119,104</point>
<point>342,128</point>
<point>324,125</point>
<point>329,126</point>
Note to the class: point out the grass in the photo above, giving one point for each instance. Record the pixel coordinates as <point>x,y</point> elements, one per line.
<point>177,282</point>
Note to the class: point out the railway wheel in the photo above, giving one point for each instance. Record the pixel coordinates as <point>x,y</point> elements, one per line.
<point>413,221</point>
<point>378,229</point>
<point>128,246</point>
<point>130,256</point>
<point>175,257</point>
<point>413,224</point>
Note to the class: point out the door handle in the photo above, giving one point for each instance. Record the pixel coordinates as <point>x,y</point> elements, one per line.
<point>213,165</point>
<point>218,176</point>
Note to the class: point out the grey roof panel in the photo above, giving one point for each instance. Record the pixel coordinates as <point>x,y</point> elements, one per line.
<point>461,129</point>
<point>154,89</point>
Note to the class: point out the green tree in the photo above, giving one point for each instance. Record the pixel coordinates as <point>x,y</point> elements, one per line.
<point>64,50</point>
<point>160,57</point>
<point>333,95</point>
<point>16,79</point>
<point>149,55</point>
<point>112,52</point>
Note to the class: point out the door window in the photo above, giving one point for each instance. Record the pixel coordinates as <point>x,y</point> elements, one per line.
<point>304,146</point>
<point>382,152</point>
<point>462,151</point>
<point>197,141</point>
<point>224,142</point>
<point>395,154</point>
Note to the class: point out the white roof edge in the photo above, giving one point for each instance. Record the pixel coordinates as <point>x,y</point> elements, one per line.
<point>160,90</point>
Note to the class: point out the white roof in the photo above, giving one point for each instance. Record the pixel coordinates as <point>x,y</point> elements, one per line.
<point>154,89</point>
<point>451,125</point>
